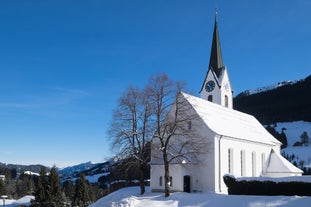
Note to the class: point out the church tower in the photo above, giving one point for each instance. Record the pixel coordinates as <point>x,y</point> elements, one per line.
<point>216,86</point>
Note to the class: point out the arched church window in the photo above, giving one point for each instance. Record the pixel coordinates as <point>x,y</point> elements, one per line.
<point>263,160</point>
<point>230,161</point>
<point>242,163</point>
<point>254,163</point>
<point>161,181</point>
<point>226,101</point>
<point>210,98</point>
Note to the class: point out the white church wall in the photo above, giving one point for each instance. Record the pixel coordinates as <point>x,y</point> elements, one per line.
<point>204,180</point>
<point>193,168</point>
<point>156,171</point>
<point>201,172</point>
<point>247,159</point>
<point>177,173</point>
<point>205,173</point>
<point>208,177</point>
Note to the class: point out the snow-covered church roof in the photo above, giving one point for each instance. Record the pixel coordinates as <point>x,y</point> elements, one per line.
<point>229,122</point>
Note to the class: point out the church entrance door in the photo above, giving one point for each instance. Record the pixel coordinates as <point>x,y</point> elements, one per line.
<point>187,183</point>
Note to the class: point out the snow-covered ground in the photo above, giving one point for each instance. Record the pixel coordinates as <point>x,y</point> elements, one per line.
<point>129,197</point>
<point>25,201</point>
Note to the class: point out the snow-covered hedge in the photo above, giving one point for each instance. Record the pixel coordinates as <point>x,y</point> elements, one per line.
<point>267,186</point>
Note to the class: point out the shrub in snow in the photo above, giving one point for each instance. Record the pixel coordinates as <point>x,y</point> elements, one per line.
<point>266,187</point>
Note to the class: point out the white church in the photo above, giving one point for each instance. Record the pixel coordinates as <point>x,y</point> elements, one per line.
<point>238,144</point>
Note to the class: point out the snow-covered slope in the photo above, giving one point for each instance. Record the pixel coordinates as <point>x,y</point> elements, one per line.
<point>129,197</point>
<point>24,201</point>
<point>92,171</point>
<point>31,173</point>
<point>293,130</point>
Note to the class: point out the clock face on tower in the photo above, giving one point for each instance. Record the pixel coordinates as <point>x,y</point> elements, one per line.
<point>209,86</point>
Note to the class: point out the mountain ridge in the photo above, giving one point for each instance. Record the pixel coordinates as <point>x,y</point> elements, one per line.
<point>289,101</point>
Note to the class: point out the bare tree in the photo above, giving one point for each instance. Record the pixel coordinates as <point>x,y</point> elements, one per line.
<point>173,140</point>
<point>159,111</point>
<point>131,131</point>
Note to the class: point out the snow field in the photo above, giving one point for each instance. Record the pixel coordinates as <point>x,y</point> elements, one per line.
<point>129,197</point>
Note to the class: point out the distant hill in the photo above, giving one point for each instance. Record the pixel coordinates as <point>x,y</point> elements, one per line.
<point>92,171</point>
<point>287,101</point>
<point>77,168</point>
<point>22,168</point>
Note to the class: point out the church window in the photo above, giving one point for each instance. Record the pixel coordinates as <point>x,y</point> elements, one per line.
<point>226,101</point>
<point>210,98</point>
<point>254,163</point>
<point>242,163</point>
<point>263,160</point>
<point>230,161</point>
<point>161,181</point>
<point>171,181</point>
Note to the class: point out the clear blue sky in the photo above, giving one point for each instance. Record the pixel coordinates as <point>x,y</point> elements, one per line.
<point>63,64</point>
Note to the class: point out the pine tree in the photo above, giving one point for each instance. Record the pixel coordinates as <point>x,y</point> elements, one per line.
<point>304,138</point>
<point>69,191</point>
<point>283,138</point>
<point>24,185</point>
<point>95,192</point>
<point>55,198</point>
<point>81,196</point>
<point>41,193</point>
<point>2,188</point>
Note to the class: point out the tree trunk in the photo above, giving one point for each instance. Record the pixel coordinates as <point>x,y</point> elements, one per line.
<point>142,178</point>
<point>166,175</point>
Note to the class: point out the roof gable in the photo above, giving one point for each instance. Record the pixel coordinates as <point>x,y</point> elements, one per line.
<point>229,122</point>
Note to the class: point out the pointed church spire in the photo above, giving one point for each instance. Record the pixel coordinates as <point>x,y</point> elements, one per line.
<point>215,62</point>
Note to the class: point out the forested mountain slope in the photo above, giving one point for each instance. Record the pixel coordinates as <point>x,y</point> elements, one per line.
<point>286,102</point>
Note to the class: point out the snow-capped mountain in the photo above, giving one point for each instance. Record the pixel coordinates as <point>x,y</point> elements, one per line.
<point>268,88</point>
